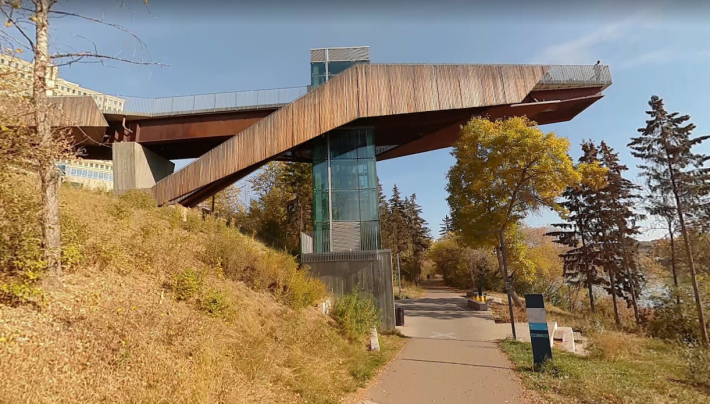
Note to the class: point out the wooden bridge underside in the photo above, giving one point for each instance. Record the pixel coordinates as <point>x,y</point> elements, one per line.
<point>414,108</point>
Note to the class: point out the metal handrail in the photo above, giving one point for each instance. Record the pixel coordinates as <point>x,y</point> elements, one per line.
<point>557,76</point>
<point>203,103</point>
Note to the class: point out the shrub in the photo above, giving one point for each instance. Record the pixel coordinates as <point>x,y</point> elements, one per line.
<point>16,293</point>
<point>138,199</point>
<point>239,258</point>
<point>303,290</point>
<point>698,360</point>
<point>214,303</point>
<point>675,322</point>
<point>356,314</point>
<point>186,284</point>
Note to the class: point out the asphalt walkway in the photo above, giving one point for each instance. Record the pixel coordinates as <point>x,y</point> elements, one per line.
<point>452,356</point>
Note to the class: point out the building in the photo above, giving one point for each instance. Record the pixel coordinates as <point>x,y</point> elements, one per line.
<point>58,87</point>
<point>90,174</point>
<point>326,63</point>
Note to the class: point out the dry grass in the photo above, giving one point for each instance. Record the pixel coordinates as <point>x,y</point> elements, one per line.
<point>623,368</point>
<point>409,290</point>
<point>116,332</point>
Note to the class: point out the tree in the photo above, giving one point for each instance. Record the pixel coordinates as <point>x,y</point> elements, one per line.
<point>446,227</point>
<point>397,225</point>
<point>417,235</point>
<point>615,228</point>
<point>505,170</point>
<point>384,215</point>
<point>19,15</point>
<point>666,146</point>
<point>580,262</point>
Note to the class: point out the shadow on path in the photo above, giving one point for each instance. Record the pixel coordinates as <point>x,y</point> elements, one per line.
<point>456,363</point>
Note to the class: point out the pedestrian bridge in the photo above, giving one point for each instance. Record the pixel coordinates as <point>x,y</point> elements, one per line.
<point>412,108</point>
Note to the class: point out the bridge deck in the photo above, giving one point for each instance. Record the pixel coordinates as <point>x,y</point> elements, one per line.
<point>416,100</point>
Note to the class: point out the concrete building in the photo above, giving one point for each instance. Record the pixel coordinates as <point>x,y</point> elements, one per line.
<point>90,174</point>
<point>58,87</point>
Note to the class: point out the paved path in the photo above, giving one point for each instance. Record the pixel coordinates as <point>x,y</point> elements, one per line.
<point>452,356</point>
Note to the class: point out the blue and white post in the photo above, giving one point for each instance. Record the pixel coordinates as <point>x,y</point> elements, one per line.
<point>539,334</point>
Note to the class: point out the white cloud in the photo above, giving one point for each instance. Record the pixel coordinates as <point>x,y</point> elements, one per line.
<point>664,55</point>
<point>606,42</point>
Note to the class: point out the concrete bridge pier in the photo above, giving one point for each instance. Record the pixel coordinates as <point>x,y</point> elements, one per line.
<point>136,167</point>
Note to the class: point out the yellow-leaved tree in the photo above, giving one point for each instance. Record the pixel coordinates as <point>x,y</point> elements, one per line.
<point>505,170</point>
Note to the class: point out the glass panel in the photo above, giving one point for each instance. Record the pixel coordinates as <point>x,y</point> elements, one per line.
<point>367,173</point>
<point>337,67</point>
<point>318,68</point>
<point>321,237</point>
<point>367,143</point>
<point>345,206</point>
<point>344,144</point>
<point>320,206</point>
<point>344,174</point>
<point>320,175</point>
<point>370,235</point>
<point>320,149</point>
<point>369,205</point>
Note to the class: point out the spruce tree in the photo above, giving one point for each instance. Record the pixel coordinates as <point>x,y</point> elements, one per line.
<point>665,145</point>
<point>397,223</point>
<point>447,226</point>
<point>580,263</point>
<point>616,227</point>
<point>417,234</point>
<point>385,218</point>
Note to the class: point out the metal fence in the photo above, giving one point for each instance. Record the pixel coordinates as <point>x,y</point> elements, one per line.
<point>347,237</point>
<point>560,76</point>
<point>194,104</point>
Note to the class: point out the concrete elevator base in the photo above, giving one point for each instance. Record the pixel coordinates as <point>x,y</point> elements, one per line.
<point>370,271</point>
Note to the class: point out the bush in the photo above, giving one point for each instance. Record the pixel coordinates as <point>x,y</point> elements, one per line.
<point>304,290</point>
<point>698,360</point>
<point>138,199</point>
<point>186,284</point>
<point>214,303</point>
<point>675,322</point>
<point>356,314</point>
<point>239,258</point>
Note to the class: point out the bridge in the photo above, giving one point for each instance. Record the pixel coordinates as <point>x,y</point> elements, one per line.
<point>412,108</point>
<point>352,116</point>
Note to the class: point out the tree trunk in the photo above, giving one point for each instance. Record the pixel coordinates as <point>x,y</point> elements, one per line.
<point>612,280</point>
<point>688,250</point>
<point>673,268</point>
<point>516,299</point>
<point>48,173</point>
<point>590,287</point>
<point>633,297</point>
<point>591,296</point>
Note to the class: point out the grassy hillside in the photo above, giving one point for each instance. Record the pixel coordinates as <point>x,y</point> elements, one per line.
<point>155,308</point>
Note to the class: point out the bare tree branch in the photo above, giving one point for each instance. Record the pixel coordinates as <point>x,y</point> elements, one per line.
<point>82,55</point>
<point>18,27</point>
<point>98,21</point>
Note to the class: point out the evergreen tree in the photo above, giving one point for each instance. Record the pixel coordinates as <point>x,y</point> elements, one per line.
<point>397,223</point>
<point>385,215</point>
<point>581,262</point>
<point>665,145</point>
<point>418,235</point>
<point>447,226</point>
<point>615,228</point>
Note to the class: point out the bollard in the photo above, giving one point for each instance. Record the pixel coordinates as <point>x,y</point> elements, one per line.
<point>399,316</point>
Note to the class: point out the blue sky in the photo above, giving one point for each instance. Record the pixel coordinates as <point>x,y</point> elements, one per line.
<point>652,47</point>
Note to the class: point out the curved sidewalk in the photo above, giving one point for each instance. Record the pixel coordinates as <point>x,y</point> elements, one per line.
<point>452,356</point>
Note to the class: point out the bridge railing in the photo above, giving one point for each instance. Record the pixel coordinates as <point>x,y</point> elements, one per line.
<point>194,104</point>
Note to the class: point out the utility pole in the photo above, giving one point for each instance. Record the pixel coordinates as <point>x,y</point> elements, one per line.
<point>508,286</point>
<point>399,276</point>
